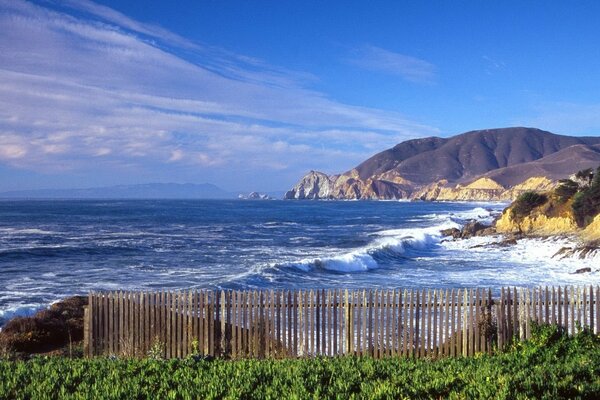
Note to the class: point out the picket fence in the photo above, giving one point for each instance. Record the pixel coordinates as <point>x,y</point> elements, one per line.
<point>306,323</point>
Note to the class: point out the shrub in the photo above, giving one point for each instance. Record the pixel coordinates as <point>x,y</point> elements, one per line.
<point>47,330</point>
<point>550,365</point>
<point>527,202</point>
<point>586,203</point>
<point>565,190</point>
<point>586,176</point>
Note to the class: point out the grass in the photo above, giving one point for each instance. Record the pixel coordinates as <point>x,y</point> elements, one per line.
<point>551,365</point>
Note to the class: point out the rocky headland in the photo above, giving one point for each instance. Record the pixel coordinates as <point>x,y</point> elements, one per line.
<point>484,165</point>
<point>571,209</point>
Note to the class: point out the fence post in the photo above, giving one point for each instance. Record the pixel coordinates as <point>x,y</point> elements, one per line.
<point>86,331</point>
<point>500,320</point>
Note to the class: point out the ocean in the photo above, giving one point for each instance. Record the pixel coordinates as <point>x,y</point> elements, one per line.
<point>53,249</point>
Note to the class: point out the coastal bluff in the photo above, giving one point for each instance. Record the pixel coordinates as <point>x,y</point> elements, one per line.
<point>483,165</point>
<point>571,208</point>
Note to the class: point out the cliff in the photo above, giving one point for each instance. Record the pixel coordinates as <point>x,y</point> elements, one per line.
<point>555,212</point>
<point>591,232</point>
<point>487,165</point>
<point>538,223</point>
<point>314,185</point>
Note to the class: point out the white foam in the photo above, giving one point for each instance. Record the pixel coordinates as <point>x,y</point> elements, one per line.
<point>355,261</point>
<point>24,310</point>
<point>27,231</point>
<point>530,260</point>
<point>485,215</point>
<point>396,241</point>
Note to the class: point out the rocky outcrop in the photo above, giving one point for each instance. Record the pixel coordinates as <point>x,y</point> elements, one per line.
<point>488,165</point>
<point>470,229</point>
<point>591,233</point>
<point>254,196</point>
<point>317,185</point>
<point>582,251</point>
<point>536,224</point>
<point>314,185</point>
<point>551,217</point>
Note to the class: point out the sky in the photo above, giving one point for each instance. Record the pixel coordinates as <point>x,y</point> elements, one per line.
<point>250,95</point>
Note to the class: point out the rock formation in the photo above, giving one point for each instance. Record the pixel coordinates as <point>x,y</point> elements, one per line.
<point>487,165</point>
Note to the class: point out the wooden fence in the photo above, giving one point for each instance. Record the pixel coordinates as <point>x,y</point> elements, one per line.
<point>292,323</point>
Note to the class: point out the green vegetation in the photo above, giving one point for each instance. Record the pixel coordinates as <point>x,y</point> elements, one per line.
<point>586,203</point>
<point>551,365</point>
<point>527,202</point>
<point>583,190</point>
<point>565,190</point>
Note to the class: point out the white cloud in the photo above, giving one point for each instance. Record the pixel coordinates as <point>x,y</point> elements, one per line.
<point>10,151</point>
<point>381,60</point>
<point>82,93</point>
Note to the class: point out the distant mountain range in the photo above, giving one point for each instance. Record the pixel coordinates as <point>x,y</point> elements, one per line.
<point>491,164</point>
<point>142,191</point>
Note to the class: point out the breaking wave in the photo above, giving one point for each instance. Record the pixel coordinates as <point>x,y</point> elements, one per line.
<point>391,243</point>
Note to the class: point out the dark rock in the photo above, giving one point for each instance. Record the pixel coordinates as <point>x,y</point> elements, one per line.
<point>487,231</point>
<point>455,233</point>
<point>563,252</point>
<point>583,270</point>
<point>473,228</point>
<point>581,252</point>
<point>507,242</point>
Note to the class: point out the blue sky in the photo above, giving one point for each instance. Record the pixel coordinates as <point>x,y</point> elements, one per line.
<point>250,95</point>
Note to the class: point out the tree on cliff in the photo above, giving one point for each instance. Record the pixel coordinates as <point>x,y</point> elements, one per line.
<point>586,203</point>
<point>527,202</point>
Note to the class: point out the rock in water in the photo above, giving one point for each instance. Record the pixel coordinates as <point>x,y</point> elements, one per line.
<point>473,228</point>
<point>455,233</point>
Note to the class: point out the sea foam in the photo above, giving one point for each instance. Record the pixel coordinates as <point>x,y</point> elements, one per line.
<point>387,243</point>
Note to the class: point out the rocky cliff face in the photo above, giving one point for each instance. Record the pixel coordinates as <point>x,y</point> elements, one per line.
<point>592,231</point>
<point>536,224</point>
<point>314,185</point>
<point>489,165</point>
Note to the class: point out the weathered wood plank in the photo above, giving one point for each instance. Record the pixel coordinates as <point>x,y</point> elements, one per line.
<point>375,323</point>
<point>466,328</point>
<point>447,321</point>
<point>371,347</point>
<point>452,325</point>
<point>597,309</point>
<point>295,312</point>
<point>592,307</point>
<point>559,307</point>
<point>382,350</point>
<point>395,324</point>
<point>459,322</point>
<point>411,330</point>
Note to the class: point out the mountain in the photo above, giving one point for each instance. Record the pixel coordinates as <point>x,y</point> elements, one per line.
<point>491,164</point>
<point>141,191</point>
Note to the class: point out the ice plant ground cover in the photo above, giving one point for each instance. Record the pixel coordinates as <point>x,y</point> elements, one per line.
<point>550,365</point>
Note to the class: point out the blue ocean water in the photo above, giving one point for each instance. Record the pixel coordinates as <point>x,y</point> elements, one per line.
<point>51,249</point>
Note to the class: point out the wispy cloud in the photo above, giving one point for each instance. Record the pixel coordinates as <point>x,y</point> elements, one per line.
<point>105,91</point>
<point>381,60</point>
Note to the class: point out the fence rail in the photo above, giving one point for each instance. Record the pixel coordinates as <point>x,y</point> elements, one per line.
<point>301,323</point>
